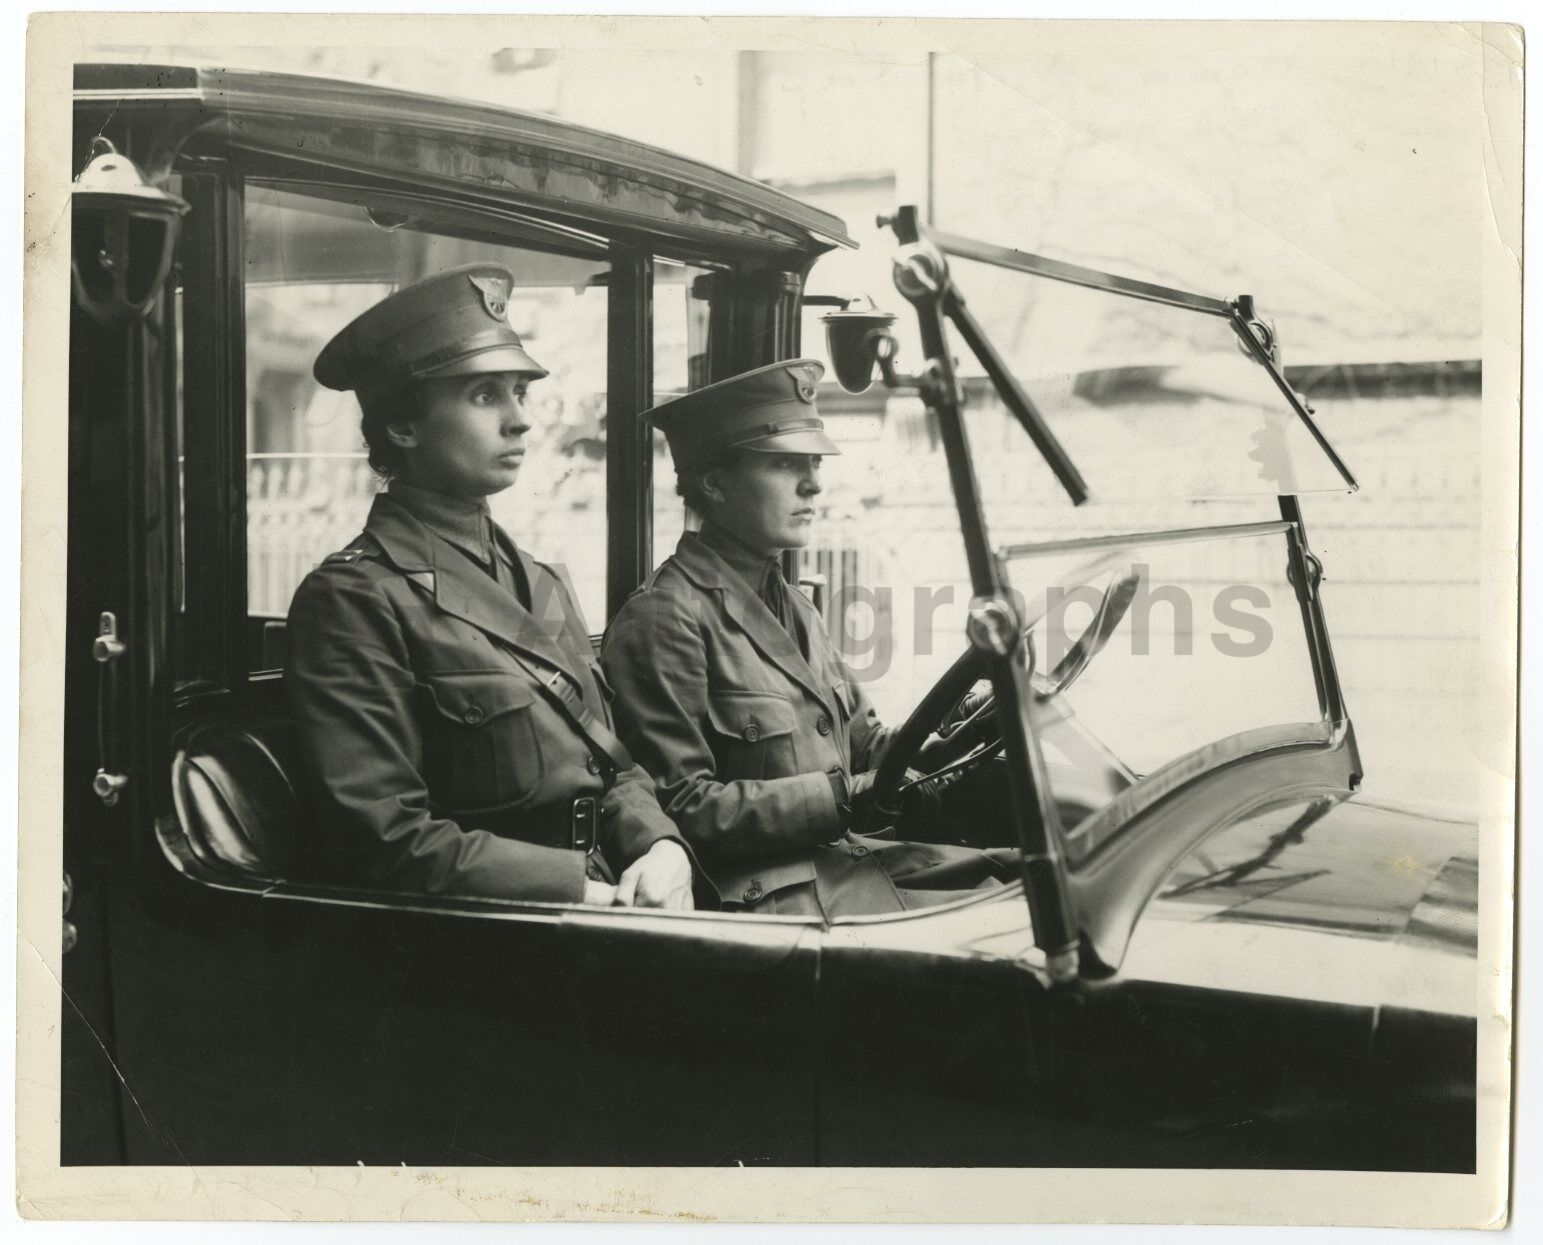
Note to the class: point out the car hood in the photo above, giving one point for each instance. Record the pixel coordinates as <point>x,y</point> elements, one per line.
<point>1373,904</point>
<point>1365,870</point>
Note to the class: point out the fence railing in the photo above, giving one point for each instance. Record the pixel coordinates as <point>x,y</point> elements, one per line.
<point>300,508</point>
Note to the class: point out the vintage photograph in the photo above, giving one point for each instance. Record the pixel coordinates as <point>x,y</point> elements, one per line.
<point>770,594</point>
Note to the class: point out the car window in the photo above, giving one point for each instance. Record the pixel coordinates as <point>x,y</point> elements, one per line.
<point>312,265</point>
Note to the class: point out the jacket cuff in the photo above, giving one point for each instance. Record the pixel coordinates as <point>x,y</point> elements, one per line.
<point>841,792</point>
<point>571,878</point>
<point>823,810</point>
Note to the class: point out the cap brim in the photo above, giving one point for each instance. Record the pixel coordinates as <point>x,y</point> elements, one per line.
<point>801,441</point>
<point>503,358</point>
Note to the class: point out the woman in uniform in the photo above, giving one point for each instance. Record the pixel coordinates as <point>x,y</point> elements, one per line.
<point>450,709</point>
<point>729,690</point>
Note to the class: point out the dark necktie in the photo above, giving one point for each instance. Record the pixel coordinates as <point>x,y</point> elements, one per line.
<point>506,568</point>
<point>777,595</point>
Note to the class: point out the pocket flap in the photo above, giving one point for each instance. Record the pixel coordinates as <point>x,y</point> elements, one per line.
<point>477,696</point>
<point>747,883</point>
<point>751,716</point>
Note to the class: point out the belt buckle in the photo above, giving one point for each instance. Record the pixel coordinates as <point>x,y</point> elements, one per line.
<point>581,824</point>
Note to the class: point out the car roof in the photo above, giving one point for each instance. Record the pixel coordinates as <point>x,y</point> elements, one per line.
<point>578,172</point>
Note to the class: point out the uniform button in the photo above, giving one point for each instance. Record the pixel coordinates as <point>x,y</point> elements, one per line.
<point>752,893</point>
<point>473,715</point>
<point>823,725</point>
<point>592,765</point>
<point>752,733</point>
<point>859,851</point>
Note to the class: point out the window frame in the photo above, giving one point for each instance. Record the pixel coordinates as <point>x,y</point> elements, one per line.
<point>214,656</point>
<point>214,447</point>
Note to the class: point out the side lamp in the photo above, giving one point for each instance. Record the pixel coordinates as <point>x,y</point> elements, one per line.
<point>122,236</point>
<point>859,340</point>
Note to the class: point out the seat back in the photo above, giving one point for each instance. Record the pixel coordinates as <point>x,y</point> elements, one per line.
<point>236,784</point>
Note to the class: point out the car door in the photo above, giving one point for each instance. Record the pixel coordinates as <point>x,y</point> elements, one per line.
<point>115,566</point>
<point>237,1016</point>
<point>304,1027</point>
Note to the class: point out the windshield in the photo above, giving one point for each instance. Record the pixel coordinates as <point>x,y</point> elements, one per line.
<point>1151,401</point>
<point>1203,642</point>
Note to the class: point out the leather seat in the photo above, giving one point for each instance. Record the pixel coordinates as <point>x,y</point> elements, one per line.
<point>236,784</point>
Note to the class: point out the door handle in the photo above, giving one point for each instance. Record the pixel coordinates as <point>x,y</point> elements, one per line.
<point>107,646</point>
<point>106,650</point>
<point>107,786</point>
<point>70,937</point>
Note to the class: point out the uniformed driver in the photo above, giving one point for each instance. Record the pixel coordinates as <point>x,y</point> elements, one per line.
<point>729,690</point>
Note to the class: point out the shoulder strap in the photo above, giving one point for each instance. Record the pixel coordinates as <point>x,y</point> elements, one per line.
<point>361,546</point>
<point>557,689</point>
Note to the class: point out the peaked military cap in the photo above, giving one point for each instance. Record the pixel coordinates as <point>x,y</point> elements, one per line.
<point>450,324</point>
<point>769,409</point>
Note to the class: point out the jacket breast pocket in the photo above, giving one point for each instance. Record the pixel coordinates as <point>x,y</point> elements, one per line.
<point>753,734</point>
<point>481,749</point>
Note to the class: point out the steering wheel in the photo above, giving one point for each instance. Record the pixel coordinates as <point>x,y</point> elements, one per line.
<point>973,739</point>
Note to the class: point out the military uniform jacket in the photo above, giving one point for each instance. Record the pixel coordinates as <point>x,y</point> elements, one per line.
<point>440,766</point>
<point>715,700</point>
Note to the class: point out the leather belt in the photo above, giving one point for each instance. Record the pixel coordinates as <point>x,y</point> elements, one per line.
<point>573,826</point>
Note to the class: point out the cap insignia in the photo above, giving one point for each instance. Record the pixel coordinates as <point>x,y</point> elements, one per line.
<point>495,295</point>
<point>804,379</point>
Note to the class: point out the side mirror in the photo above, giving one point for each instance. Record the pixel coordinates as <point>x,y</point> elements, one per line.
<point>122,236</point>
<point>860,340</point>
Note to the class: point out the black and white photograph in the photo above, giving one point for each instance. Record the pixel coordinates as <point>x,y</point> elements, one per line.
<point>909,605</point>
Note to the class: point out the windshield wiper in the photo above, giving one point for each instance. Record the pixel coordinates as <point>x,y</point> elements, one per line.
<point>931,282</point>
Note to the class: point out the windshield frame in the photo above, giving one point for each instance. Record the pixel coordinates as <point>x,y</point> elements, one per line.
<point>1256,337</point>
<point>1083,913</point>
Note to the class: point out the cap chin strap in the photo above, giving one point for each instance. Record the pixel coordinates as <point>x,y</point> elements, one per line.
<point>772,430</point>
<point>433,364</point>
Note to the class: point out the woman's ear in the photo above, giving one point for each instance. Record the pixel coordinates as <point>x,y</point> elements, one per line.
<point>711,482</point>
<point>402,434</point>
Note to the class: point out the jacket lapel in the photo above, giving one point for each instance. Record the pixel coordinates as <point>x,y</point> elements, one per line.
<point>749,613</point>
<point>553,610</point>
<point>460,589</point>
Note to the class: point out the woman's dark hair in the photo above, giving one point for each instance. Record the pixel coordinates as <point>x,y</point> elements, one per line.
<point>688,481</point>
<point>397,406</point>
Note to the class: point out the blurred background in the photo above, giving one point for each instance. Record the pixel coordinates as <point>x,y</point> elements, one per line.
<point>1343,189</point>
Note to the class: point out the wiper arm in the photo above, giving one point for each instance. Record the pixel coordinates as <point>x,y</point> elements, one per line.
<point>951,304</point>
<point>1014,396</point>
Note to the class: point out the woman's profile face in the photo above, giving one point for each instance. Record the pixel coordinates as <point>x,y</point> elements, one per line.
<point>767,500</point>
<point>468,439</point>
